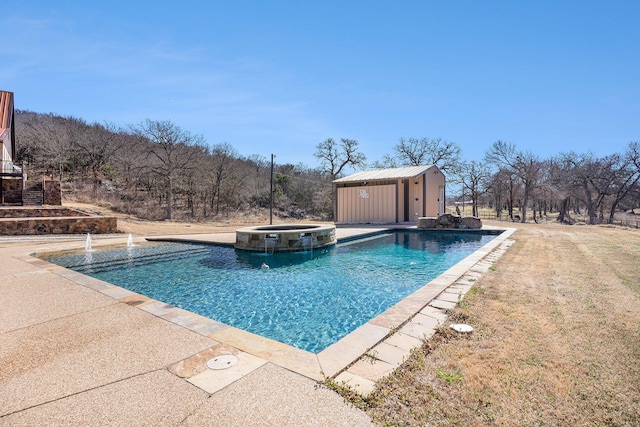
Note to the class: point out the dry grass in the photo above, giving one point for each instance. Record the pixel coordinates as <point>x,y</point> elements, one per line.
<point>557,340</point>
<point>131,224</point>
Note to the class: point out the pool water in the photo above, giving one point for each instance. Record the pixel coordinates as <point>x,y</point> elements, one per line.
<point>309,300</point>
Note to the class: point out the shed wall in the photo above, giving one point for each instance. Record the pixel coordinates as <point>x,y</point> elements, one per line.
<point>376,204</point>
<point>432,189</point>
<point>416,198</point>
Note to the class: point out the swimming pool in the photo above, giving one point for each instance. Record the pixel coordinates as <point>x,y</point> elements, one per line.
<point>309,300</point>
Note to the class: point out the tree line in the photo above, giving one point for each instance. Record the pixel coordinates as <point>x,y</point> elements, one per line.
<point>567,183</point>
<point>157,170</point>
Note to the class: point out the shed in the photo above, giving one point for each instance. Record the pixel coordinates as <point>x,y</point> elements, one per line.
<point>387,196</point>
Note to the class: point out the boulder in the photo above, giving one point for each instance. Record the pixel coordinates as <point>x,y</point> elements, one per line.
<point>449,221</point>
<point>427,222</point>
<point>470,222</point>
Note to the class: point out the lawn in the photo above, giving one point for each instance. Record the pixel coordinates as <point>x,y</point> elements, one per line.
<point>556,340</point>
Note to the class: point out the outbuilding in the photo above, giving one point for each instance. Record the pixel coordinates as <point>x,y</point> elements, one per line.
<point>386,196</point>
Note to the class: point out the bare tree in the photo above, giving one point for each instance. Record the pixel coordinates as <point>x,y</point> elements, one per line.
<point>258,180</point>
<point>220,172</point>
<point>423,151</point>
<point>94,146</point>
<point>170,151</point>
<point>334,156</point>
<point>627,176</point>
<point>387,161</point>
<point>474,176</point>
<point>44,141</point>
<point>586,178</point>
<point>511,187</point>
<point>524,165</point>
<point>437,151</point>
<point>131,167</point>
<point>559,183</point>
<point>624,176</point>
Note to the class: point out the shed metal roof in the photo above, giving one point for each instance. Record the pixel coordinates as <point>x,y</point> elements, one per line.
<point>383,174</point>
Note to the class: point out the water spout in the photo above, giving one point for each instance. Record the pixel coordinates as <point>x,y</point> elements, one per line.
<point>130,241</point>
<point>87,244</point>
<point>307,242</point>
<point>270,239</point>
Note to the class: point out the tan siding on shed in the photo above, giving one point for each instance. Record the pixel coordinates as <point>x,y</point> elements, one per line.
<point>416,198</point>
<point>378,205</point>
<point>434,182</point>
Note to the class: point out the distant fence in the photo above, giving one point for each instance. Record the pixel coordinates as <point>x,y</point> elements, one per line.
<point>631,223</point>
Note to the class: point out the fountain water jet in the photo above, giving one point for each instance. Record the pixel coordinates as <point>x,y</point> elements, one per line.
<point>87,244</point>
<point>130,241</point>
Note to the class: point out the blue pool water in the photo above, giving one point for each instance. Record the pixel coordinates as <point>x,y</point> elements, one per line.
<point>305,299</point>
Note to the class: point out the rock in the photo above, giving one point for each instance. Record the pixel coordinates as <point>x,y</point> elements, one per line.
<point>449,221</point>
<point>470,222</point>
<point>427,222</point>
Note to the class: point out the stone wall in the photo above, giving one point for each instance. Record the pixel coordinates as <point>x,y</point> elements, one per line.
<point>18,212</point>
<point>32,197</point>
<point>57,225</point>
<point>18,221</point>
<point>52,193</point>
<point>11,190</point>
<point>47,193</point>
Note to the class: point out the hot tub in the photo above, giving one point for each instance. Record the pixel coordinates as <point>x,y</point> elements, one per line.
<point>279,238</point>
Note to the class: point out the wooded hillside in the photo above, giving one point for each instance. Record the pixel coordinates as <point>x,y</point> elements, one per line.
<point>157,170</point>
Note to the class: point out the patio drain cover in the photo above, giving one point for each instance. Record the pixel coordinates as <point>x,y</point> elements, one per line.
<point>222,362</point>
<point>461,327</point>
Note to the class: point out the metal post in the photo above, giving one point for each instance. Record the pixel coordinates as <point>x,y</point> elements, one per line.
<point>271,194</point>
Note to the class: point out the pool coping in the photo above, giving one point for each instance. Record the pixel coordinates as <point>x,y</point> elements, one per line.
<point>359,359</point>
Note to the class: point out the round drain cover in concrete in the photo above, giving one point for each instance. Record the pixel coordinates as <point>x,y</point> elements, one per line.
<point>461,327</point>
<point>222,362</point>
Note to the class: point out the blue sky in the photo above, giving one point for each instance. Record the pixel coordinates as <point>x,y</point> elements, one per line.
<point>281,76</point>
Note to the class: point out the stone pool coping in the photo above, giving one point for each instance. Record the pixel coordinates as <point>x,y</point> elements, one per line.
<point>362,357</point>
